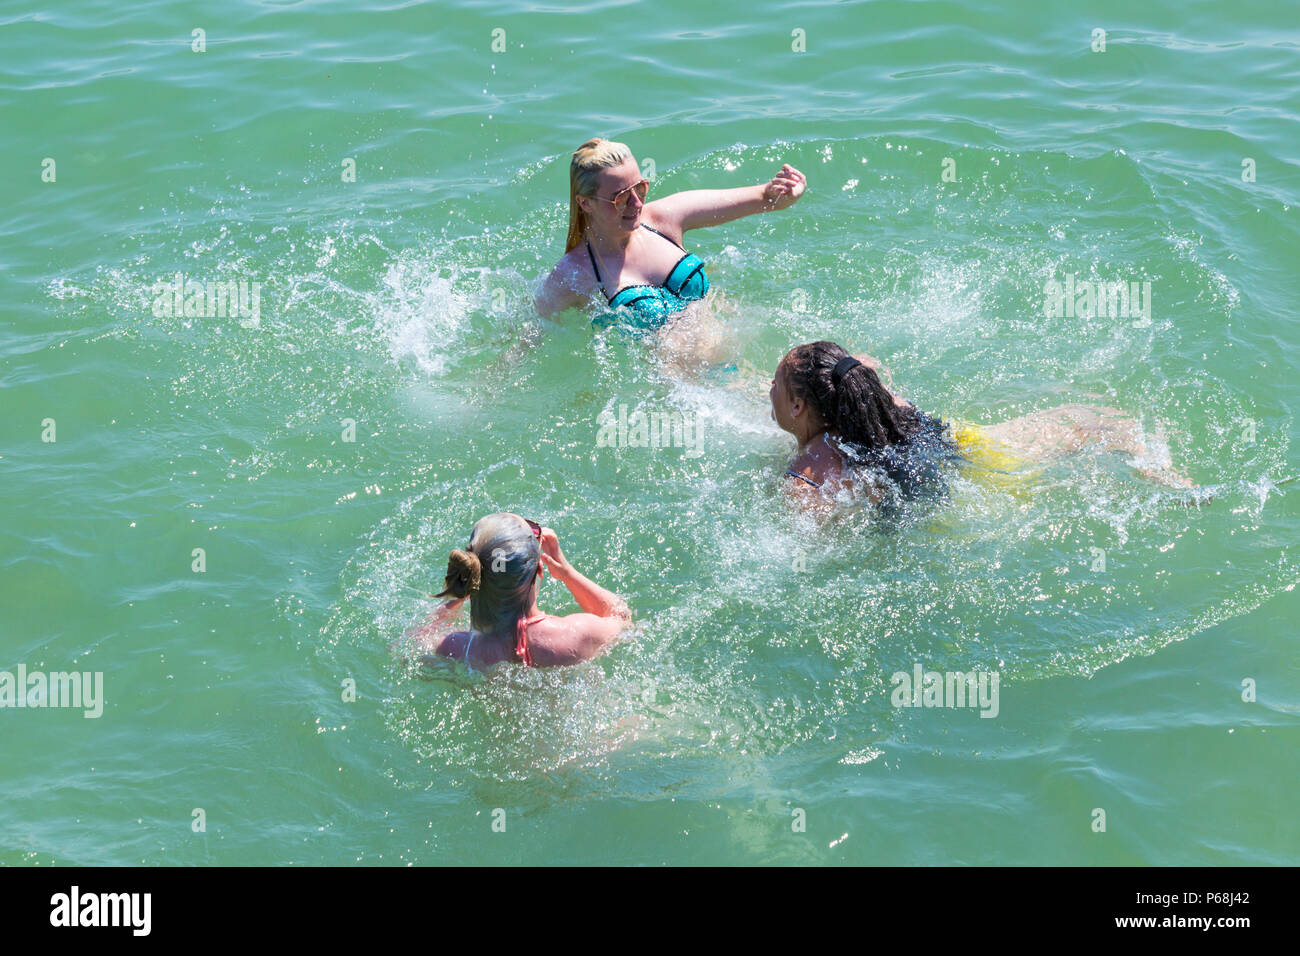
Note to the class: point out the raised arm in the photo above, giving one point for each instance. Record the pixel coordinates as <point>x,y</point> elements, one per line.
<point>591,597</point>
<point>697,208</point>
<point>606,614</point>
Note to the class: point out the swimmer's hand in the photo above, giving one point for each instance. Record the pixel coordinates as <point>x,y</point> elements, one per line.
<point>553,557</point>
<point>785,188</point>
<point>591,597</point>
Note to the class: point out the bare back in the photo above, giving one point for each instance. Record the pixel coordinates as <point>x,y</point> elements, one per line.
<point>554,641</point>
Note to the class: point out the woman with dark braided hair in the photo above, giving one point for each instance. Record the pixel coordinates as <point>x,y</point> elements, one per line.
<point>848,424</point>
<point>851,427</point>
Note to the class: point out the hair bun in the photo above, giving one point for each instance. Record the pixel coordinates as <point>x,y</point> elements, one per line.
<point>464,575</point>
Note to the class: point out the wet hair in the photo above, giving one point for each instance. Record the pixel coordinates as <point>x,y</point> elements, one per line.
<point>497,572</point>
<point>849,396</point>
<point>584,171</point>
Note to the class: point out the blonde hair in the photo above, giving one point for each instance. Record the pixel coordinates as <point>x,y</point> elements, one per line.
<point>588,160</point>
<point>498,573</point>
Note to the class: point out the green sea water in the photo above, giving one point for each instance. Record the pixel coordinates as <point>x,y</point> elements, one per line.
<point>747,717</point>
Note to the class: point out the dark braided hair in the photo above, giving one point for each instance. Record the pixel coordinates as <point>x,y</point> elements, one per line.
<point>849,396</point>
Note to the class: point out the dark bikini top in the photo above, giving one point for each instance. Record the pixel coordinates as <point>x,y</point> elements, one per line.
<point>914,469</point>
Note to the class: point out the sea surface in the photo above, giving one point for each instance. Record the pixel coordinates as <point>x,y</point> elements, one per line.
<point>234,518</point>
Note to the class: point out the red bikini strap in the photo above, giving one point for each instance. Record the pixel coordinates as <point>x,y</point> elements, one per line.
<point>522,651</point>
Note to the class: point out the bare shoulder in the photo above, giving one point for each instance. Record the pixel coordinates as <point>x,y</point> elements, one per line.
<point>573,638</point>
<point>818,463</point>
<point>450,644</point>
<point>568,285</point>
<point>806,498</point>
<point>661,215</point>
<point>818,477</point>
<point>574,267</point>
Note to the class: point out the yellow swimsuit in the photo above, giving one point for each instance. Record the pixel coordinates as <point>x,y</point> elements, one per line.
<point>995,466</point>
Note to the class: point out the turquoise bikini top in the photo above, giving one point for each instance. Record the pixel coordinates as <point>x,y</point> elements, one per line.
<point>650,306</point>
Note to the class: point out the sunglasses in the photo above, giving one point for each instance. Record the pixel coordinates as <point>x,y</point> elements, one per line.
<point>624,196</point>
<point>537,529</point>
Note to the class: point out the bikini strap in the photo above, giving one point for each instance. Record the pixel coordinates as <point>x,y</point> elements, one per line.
<point>795,474</point>
<point>522,650</point>
<point>521,647</point>
<point>669,238</point>
<point>596,269</point>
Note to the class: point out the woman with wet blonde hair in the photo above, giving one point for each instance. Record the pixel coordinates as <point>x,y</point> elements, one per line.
<point>588,160</point>
<point>500,574</point>
<point>632,250</point>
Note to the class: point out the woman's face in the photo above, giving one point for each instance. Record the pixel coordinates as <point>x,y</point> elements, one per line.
<point>612,181</point>
<point>785,410</point>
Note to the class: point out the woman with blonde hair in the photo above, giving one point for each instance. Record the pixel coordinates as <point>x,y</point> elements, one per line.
<point>632,250</point>
<point>500,574</point>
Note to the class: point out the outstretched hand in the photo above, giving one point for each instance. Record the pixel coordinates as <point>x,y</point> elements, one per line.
<point>785,188</point>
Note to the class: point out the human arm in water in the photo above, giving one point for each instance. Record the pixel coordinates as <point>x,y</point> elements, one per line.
<point>699,208</point>
<point>560,291</point>
<point>447,611</point>
<point>424,638</point>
